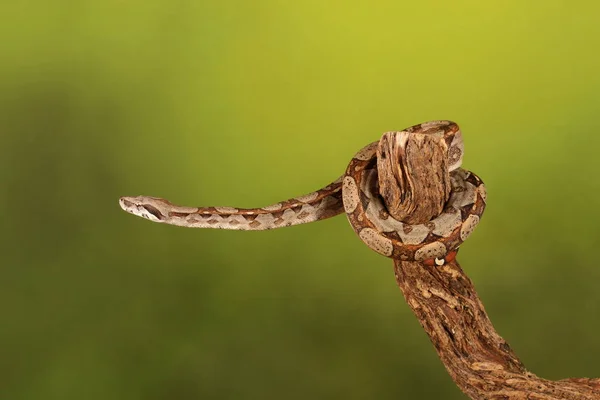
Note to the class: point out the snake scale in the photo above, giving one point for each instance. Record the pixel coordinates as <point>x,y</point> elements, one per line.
<point>357,194</point>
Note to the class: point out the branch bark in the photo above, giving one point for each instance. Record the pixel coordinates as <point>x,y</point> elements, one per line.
<point>478,359</point>
<point>414,192</point>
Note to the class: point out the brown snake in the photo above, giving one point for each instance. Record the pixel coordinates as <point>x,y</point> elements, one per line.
<point>356,193</point>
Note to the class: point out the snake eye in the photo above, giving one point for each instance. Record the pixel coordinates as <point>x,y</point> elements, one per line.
<point>151,213</point>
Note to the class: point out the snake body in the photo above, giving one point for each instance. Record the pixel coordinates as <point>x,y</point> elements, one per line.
<point>356,193</point>
<point>321,204</point>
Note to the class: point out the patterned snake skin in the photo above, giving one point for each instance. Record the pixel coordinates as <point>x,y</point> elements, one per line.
<point>356,193</point>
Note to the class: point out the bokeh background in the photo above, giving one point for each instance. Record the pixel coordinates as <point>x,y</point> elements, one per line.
<point>245,103</point>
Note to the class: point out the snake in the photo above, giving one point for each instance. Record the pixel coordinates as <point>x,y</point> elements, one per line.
<point>355,193</point>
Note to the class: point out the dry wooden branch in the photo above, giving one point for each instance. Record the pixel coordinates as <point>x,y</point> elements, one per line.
<point>444,300</point>
<point>413,191</point>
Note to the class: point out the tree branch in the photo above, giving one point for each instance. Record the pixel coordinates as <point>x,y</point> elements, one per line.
<point>444,300</point>
<point>413,191</point>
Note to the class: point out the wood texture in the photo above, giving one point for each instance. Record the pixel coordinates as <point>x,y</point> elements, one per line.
<point>414,191</point>
<point>444,300</point>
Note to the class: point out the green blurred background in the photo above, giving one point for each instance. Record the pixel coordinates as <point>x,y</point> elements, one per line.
<point>245,103</point>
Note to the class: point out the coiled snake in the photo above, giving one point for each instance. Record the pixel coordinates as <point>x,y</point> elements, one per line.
<point>357,192</point>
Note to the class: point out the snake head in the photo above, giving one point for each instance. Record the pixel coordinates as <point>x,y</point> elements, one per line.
<point>147,207</point>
